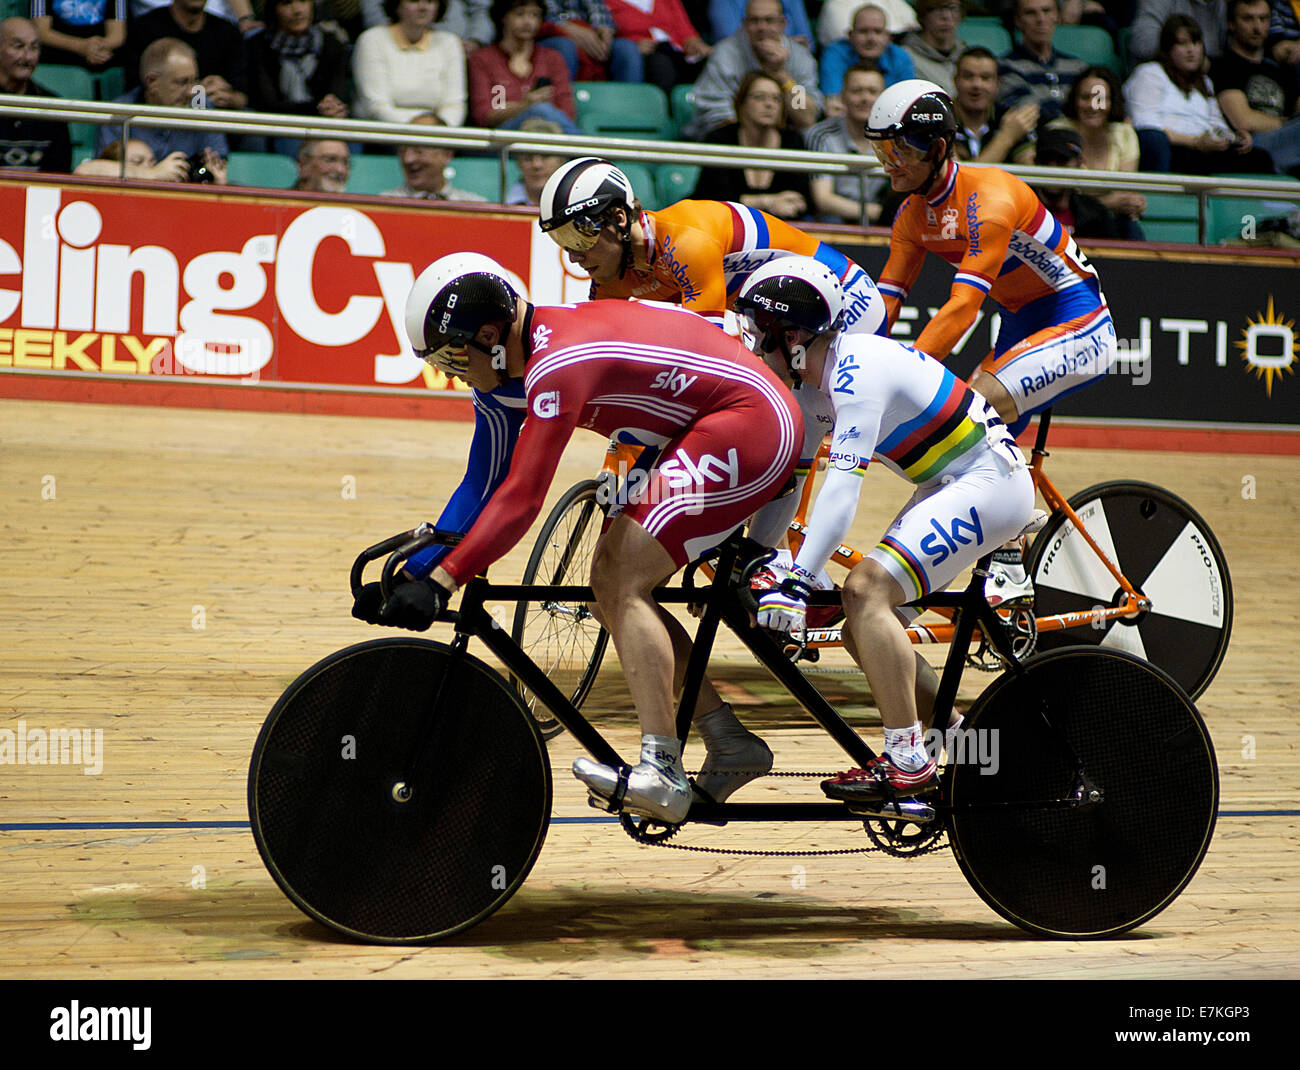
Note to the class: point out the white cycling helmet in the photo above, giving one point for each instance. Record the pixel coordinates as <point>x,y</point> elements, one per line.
<point>908,118</point>
<point>577,199</point>
<point>790,292</point>
<point>454,297</point>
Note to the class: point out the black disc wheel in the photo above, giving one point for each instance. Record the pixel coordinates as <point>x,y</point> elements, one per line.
<point>1169,555</point>
<point>399,792</point>
<point>564,638</point>
<point>1083,793</point>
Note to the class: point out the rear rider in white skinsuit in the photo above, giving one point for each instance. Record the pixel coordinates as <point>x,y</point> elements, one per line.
<point>898,406</point>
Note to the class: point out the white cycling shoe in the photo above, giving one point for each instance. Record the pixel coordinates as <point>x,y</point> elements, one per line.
<point>735,755</point>
<point>643,789</point>
<point>1008,584</point>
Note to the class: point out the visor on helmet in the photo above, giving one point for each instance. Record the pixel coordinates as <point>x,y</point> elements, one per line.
<point>450,358</point>
<point>577,235</point>
<point>895,152</point>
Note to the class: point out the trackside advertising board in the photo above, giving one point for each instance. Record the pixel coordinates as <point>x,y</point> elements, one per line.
<point>176,295</point>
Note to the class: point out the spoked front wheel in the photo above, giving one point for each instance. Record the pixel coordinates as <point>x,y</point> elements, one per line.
<point>390,818</point>
<point>1083,793</point>
<point>564,638</point>
<point>1169,555</point>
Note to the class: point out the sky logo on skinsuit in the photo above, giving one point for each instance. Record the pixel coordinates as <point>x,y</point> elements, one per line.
<point>680,471</point>
<point>844,373</point>
<point>541,338</point>
<point>674,380</point>
<point>944,542</point>
<point>547,405</point>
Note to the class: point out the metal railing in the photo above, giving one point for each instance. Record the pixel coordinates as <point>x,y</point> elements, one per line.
<point>507,143</point>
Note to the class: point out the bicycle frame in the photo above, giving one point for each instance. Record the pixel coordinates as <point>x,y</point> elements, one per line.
<point>722,605</point>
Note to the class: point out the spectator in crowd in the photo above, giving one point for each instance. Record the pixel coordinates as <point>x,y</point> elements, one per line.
<point>425,170</point>
<point>236,12</point>
<point>140,163</point>
<point>470,21</point>
<point>849,198</point>
<point>1284,35</point>
<point>407,68</point>
<point>534,167</point>
<point>760,108</point>
<point>168,73</point>
<point>1209,15</point>
<point>218,49</point>
<point>1082,215</point>
<point>1087,13</point>
<point>934,48</point>
<point>1034,69</point>
<point>80,33</point>
<point>867,42</point>
<point>1179,124</point>
<point>671,47</point>
<point>324,166</point>
<point>760,45</point>
<point>727,16</point>
<point>28,144</point>
<point>583,32</point>
<point>515,79</point>
<point>298,68</point>
<point>1094,110</point>
<point>985,133</point>
<point>1254,92</point>
<point>837,16</point>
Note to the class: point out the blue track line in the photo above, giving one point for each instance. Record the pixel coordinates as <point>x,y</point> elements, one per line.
<point>141,826</point>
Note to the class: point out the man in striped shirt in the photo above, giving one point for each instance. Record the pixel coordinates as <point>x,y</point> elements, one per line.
<point>892,404</point>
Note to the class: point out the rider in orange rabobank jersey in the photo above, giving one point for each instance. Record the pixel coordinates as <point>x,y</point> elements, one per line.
<point>1055,335</point>
<point>696,253</point>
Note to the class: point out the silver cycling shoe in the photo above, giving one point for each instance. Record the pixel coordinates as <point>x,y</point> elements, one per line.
<point>645,790</point>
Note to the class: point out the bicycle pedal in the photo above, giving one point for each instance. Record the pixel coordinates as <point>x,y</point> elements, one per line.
<point>599,802</point>
<point>894,810</point>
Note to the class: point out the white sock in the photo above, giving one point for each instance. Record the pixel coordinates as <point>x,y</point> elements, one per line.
<point>903,746</point>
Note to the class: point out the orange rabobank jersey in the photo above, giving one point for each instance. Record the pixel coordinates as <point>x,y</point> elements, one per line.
<point>701,251</point>
<point>998,235</point>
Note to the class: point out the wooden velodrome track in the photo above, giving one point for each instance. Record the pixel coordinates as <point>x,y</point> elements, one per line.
<point>168,572</point>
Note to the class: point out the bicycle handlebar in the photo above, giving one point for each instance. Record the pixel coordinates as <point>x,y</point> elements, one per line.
<point>399,547</point>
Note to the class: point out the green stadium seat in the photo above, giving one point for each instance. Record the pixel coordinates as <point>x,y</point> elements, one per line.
<point>643,182</point>
<point>1228,217</point>
<point>1171,207</point>
<point>110,83</point>
<point>374,174</point>
<point>266,170</point>
<point>476,174</point>
<point>1091,44</point>
<point>72,83</point>
<point>676,182</point>
<point>993,37</point>
<point>1167,230</point>
<point>623,109</point>
<point>683,106</point>
<point>628,98</point>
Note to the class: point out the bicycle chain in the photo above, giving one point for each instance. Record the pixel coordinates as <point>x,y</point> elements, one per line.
<point>661,839</point>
